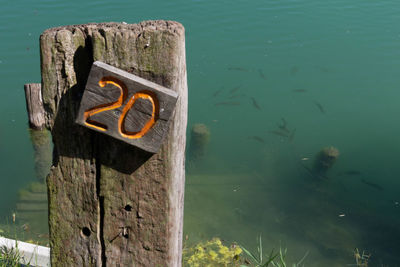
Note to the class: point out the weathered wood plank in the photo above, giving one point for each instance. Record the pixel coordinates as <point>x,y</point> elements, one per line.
<point>34,105</point>
<point>126,107</point>
<point>112,204</point>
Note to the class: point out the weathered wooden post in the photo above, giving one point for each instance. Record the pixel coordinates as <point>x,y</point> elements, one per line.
<point>324,160</point>
<point>200,136</point>
<point>114,198</point>
<point>34,106</point>
<point>40,136</point>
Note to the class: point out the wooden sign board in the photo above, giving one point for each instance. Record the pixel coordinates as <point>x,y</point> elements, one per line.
<point>126,107</point>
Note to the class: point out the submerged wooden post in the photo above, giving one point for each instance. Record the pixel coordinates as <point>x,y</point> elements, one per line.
<point>40,136</point>
<point>111,203</point>
<point>324,160</point>
<point>200,136</point>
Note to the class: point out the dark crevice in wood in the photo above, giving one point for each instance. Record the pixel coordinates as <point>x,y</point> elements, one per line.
<point>87,161</point>
<point>103,246</point>
<point>56,157</point>
<point>101,213</point>
<point>103,34</point>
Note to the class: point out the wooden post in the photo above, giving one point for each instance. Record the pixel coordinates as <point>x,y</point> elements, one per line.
<point>34,105</point>
<point>324,161</point>
<point>41,141</point>
<point>40,136</point>
<point>200,136</point>
<point>110,203</point>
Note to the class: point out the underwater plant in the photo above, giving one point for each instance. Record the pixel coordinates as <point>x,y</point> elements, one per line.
<point>282,261</point>
<point>361,259</point>
<point>212,253</point>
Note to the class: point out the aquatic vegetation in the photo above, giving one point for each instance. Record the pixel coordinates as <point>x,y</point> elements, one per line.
<point>361,259</point>
<point>17,228</point>
<point>212,253</point>
<point>258,260</point>
<point>272,258</point>
<point>10,257</point>
<point>282,262</point>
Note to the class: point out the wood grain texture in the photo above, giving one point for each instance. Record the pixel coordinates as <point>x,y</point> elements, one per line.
<point>124,85</point>
<point>111,204</point>
<point>34,105</point>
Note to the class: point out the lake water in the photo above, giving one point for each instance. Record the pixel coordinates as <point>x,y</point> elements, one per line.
<point>275,82</point>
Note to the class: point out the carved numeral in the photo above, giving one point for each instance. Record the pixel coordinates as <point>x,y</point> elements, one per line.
<point>150,96</point>
<point>104,107</point>
<point>155,111</point>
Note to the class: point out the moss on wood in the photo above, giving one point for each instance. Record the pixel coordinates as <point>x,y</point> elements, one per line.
<point>94,177</point>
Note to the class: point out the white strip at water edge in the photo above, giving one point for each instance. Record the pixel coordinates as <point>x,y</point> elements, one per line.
<point>31,254</point>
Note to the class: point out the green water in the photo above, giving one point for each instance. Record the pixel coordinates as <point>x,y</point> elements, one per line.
<point>329,69</point>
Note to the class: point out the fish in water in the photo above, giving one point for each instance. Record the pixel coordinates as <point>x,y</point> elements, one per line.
<point>294,70</point>
<point>279,133</point>
<point>261,74</point>
<point>283,126</point>
<point>237,68</point>
<point>373,185</point>
<point>323,69</point>
<point>217,92</point>
<point>320,107</point>
<point>350,172</point>
<point>229,103</point>
<point>291,137</point>
<point>257,138</point>
<point>234,90</point>
<point>236,96</point>
<point>233,96</point>
<point>299,90</point>
<point>255,104</point>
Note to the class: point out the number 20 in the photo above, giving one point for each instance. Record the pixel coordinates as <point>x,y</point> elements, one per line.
<point>121,100</point>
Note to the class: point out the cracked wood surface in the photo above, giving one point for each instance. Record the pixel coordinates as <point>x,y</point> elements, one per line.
<point>111,204</point>
<point>34,105</point>
<point>106,107</point>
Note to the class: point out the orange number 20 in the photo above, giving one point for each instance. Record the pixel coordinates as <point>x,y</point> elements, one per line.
<point>121,100</point>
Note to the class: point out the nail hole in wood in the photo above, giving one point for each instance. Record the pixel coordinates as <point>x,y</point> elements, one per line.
<point>86,232</point>
<point>128,208</point>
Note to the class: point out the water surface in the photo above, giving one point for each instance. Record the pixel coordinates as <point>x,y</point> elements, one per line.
<point>328,69</point>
